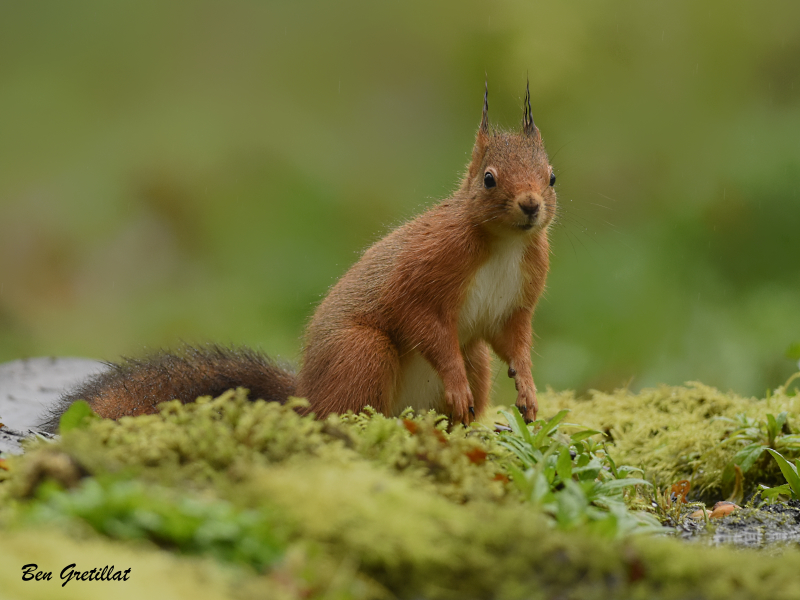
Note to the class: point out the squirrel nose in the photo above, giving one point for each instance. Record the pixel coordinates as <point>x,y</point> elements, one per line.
<point>529,207</point>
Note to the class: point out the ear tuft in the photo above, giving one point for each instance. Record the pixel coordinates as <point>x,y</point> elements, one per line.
<point>485,116</point>
<point>528,127</point>
<point>482,139</point>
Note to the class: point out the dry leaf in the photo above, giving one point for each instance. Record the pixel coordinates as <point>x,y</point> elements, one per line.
<point>680,490</point>
<point>477,456</point>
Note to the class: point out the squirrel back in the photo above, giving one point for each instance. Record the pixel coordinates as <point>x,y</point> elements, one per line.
<point>410,323</point>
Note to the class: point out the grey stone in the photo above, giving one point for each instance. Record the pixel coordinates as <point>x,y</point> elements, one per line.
<point>30,386</point>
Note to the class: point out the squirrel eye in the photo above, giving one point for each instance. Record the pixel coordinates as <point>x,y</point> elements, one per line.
<point>552,179</point>
<point>488,180</point>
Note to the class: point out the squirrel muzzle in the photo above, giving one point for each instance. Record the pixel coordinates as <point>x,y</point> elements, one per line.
<point>531,206</point>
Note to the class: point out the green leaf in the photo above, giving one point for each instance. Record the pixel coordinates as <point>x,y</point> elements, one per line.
<point>747,457</point>
<point>618,484</point>
<point>582,435</point>
<point>608,526</point>
<point>589,471</point>
<point>77,416</point>
<point>628,469</point>
<point>519,480</point>
<point>788,442</point>
<point>523,451</point>
<point>611,464</point>
<point>550,471</point>
<point>540,489</point>
<point>551,425</point>
<point>564,464</point>
<point>781,420</point>
<point>771,494</point>
<point>572,505</point>
<point>793,351</point>
<point>772,428</point>
<point>517,424</point>
<point>789,471</point>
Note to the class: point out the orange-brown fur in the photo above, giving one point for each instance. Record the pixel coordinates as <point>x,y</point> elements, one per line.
<point>406,291</point>
<point>403,299</point>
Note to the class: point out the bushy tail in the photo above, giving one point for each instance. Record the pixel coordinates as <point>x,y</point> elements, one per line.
<point>135,386</point>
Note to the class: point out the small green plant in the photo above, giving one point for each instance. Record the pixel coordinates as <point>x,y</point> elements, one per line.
<point>572,477</point>
<point>130,509</point>
<point>757,436</point>
<point>790,472</point>
<point>77,416</point>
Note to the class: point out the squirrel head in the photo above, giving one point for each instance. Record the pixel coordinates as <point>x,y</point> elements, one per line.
<point>509,181</point>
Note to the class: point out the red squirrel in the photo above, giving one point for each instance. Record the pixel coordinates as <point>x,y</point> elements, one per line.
<point>410,323</point>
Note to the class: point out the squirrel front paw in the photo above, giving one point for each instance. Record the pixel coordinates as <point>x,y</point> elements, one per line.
<point>526,402</point>
<point>461,405</point>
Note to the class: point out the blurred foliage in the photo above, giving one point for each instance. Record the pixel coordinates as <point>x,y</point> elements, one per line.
<point>204,171</point>
<point>154,573</point>
<point>130,510</point>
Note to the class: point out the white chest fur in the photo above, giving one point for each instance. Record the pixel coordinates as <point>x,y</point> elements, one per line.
<point>495,290</point>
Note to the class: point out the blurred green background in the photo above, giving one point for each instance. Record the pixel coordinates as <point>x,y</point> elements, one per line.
<point>206,170</point>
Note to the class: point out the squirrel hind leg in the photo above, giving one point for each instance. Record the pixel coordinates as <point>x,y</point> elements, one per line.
<point>353,368</point>
<point>477,361</point>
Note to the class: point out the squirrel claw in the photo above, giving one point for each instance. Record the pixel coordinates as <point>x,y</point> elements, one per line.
<point>472,411</point>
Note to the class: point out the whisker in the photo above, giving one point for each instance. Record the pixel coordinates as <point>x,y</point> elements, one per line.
<point>560,148</point>
<point>486,220</point>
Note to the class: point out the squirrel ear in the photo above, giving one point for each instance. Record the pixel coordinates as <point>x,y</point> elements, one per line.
<point>528,128</point>
<point>484,128</point>
<point>483,136</point>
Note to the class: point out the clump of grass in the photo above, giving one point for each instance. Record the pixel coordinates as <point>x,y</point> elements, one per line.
<point>572,477</point>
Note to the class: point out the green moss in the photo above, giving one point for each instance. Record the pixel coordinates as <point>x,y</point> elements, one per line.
<point>365,506</point>
<point>220,440</point>
<point>303,571</point>
<point>676,433</point>
<point>418,544</point>
<point>154,573</point>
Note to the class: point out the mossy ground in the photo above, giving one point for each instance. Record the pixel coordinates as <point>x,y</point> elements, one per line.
<point>231,498</point>
<point>675,433</point>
